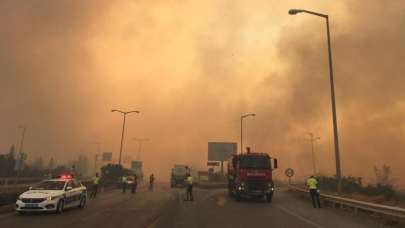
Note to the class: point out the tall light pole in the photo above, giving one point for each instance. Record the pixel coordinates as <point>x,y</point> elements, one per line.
<point>123,128</point>
<point>241,129</point>
<point>332,90</point>
<point>312,139</point>
<point>140,141</point>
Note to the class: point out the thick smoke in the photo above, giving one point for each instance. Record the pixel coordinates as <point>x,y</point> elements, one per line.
<point>193,68</point>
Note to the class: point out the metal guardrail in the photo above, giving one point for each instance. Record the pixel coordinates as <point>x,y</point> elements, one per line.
<point>24,182</point>
<point>17,182</point>
<point>359,205</point>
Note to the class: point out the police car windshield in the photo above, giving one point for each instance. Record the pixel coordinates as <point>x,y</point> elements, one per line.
<point>254,162</point>
<point>50,185</point>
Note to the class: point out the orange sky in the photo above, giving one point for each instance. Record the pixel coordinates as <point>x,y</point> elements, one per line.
<point>192,68</point>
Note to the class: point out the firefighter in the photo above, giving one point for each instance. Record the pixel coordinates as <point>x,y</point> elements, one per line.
<point>96,182</point>
<point>151,180</point>
<point>134,185</point>
<point>189,188</point>
<point>312,184</point>
<point>124,184</point>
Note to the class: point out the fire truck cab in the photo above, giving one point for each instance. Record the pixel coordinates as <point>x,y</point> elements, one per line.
<point>250,175</point>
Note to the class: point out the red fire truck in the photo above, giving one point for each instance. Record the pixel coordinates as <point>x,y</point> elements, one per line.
<point>250,175</point>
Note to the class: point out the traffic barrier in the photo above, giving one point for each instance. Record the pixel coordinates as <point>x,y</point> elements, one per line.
<point>357,205</point>
<point>18,182</point>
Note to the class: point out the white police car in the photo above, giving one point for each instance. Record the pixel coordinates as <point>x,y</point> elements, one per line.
<point>53,195</point>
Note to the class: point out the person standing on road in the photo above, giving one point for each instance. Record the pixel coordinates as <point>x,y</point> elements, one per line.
<point>134,185</point>
<point>151,180</point>
<point>124,184</point>
<point>189,188</point>
<point>96,182</point>
<point>312,184</point>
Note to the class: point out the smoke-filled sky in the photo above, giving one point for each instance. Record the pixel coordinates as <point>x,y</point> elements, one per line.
<point>192,68</point>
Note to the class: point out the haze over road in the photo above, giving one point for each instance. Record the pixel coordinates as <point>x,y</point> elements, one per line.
<point>165,208</point>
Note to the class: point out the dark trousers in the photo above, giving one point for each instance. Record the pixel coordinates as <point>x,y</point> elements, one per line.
<point>151,186</point>
<point>315,198</point>
<point>94,191</point>
<point>124,187</point>
<point>133,189</point>
<point>189,193</point>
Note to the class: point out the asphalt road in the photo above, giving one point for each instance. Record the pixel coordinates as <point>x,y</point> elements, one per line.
<point>166,208</point>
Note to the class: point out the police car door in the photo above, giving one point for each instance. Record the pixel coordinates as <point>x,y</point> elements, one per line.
<point>77,192</point>
<point>69,194</point>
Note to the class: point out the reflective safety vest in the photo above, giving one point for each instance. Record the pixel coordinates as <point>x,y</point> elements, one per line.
<point>124,179</point>
<point>96,180</point>
<point>312,183</point>
<point>190,180</point>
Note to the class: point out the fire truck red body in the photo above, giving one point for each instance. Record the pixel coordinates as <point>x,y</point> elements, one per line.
<point>250,175</point>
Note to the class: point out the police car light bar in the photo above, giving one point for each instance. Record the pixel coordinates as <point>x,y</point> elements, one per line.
<point>66,176</point>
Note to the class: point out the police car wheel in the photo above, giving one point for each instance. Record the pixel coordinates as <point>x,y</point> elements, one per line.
<point>82,202</point>
<point>21,212</point>
<point>60,207</point>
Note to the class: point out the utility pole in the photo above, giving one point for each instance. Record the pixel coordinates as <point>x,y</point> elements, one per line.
<point>20,153</point>
<point>312,139</point>
<point>140,141</point>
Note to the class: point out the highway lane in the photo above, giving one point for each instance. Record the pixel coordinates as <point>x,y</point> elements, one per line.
<point>166,207</point>
<point>215,209</point>
<point>109,209</point>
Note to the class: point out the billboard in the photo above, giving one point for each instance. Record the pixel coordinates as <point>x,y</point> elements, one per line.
<point>221,151</point>
<point>107,156</point>
<point>136,165</point>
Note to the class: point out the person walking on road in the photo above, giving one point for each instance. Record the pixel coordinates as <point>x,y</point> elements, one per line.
<point>189,188</point>
<point>312,184</point>
<point>151,180</point>
<point>96,182</point>
<point>124,184</point>
<point>134,185</point>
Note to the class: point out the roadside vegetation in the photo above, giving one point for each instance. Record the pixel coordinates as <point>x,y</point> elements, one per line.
<point>381,191</point>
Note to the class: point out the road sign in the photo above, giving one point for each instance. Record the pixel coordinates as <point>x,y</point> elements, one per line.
<point>213,163</point>
<point>107,156</point>
<point>221,151</point>
<point>289,172</point>
<point>136,165</point>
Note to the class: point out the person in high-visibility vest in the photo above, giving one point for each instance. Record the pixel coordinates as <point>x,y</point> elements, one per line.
<point>124,184</point>
<point>151,181</point>
<point>96,182</point>
<point>312,184</point>
<point>189,191</point>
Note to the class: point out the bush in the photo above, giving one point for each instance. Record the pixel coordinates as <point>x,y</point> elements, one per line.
<point>354,185</point>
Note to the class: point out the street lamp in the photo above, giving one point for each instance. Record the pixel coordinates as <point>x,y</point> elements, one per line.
<point>241,129</point>
<point>123,128</point>
<point>140,141</point>
<point>332,89</point>
<point>312,140</point>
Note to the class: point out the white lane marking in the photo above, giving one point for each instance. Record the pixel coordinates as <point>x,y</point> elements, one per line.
<point>300,217</point>
<point>221,201</point>
<point>153,224</point>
